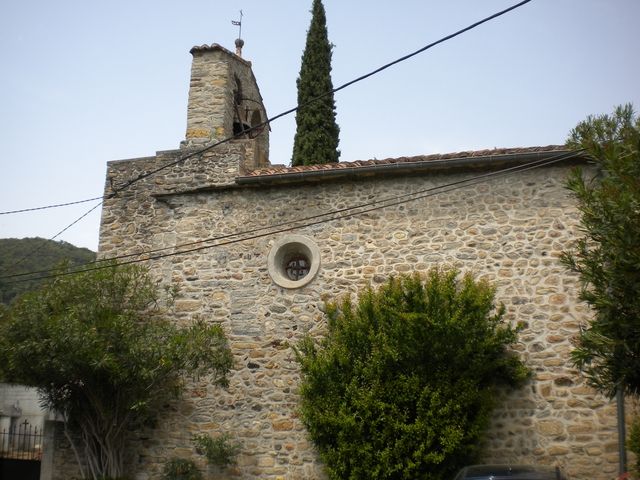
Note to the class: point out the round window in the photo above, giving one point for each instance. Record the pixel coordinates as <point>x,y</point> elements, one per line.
<point>293,261</point>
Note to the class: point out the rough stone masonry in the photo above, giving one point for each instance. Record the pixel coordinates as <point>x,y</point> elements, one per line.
<point>509,229</point>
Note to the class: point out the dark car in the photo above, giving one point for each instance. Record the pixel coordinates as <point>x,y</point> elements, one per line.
<point>510,472</point>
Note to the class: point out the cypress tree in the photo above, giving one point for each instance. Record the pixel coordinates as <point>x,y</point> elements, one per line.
<point>316,139</point>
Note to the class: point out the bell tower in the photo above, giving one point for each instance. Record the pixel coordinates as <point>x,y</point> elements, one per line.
<point>224,100</point>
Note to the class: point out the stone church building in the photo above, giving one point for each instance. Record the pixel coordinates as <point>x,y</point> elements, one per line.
<point>257,247</point>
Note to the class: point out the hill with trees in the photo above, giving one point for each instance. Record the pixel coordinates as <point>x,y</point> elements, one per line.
<point>34,255</point>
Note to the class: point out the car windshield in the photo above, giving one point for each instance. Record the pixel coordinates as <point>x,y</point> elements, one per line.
<point>507,472</point>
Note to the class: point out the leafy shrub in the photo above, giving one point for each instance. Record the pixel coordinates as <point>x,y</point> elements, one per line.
<point>606,257</point>
<point>220,451</point>
<point>402,385</point>
<point>181,469</point>
<point>103,352</point>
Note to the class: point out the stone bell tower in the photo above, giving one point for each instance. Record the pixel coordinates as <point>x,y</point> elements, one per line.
<point>224,101</point>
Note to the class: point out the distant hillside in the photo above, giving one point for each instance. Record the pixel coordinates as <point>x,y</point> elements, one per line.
<point>33,255</point>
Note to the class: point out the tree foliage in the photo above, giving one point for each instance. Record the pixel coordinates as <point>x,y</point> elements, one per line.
<point>607,257</point>
<point>317,133</point>
<point>402,385</point>
<point>100,352</point>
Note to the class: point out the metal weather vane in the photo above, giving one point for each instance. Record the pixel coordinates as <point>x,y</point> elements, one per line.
<point>238,23</point>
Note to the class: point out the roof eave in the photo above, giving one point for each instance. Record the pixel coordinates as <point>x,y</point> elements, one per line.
<point>478,163</point>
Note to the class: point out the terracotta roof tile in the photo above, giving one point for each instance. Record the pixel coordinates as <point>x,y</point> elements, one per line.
<point>279,170</point>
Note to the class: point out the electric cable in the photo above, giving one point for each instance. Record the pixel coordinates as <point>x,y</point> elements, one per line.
<point>39,247</point>
<point>254,128</point>
<point>295,224</point>
<point>22,210</point>
<point>540,162</point>
<point>280,115</point>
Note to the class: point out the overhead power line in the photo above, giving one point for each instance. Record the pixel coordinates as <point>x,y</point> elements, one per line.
<point>535,163</point>
<point>278,116</point>
<point>282,227</point>
<point>57,205</point>
<point>257,127</point>
<point>41,245</point>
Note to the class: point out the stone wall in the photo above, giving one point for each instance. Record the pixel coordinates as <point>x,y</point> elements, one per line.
<point>65,465</point>
<point>509,230</point>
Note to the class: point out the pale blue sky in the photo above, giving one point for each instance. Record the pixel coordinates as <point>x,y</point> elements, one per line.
<point>86,82</point>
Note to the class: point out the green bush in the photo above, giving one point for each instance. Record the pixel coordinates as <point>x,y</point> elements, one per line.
<point>606,256</point>
<point>181,469</point>
<point>101,350</point>
<point>402,385</point>
<point>220,451</point>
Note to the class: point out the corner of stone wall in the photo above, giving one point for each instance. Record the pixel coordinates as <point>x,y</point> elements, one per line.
<point>254,157</point>
<point>134,210</point>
